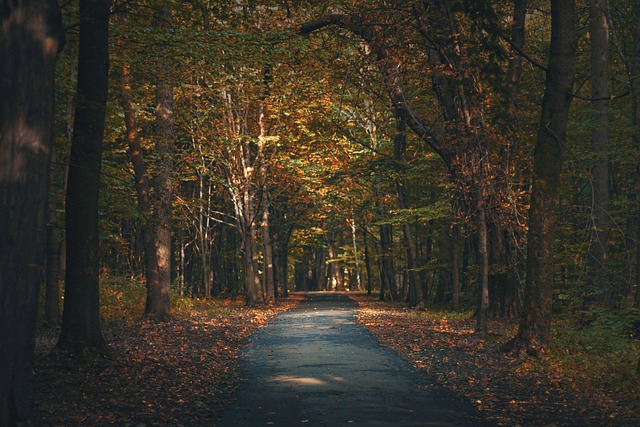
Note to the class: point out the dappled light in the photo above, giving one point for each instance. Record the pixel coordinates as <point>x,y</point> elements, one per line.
<point>257,212</point>
<point>298,381</point>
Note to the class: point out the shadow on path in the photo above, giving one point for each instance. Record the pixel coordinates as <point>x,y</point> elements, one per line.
<point>315,366</point>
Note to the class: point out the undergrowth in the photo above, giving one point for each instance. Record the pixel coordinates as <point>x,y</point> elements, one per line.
<point>599,348</point>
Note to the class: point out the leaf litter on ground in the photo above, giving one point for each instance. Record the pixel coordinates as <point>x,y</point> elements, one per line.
<point>178,373</point>
<point>508,390</point>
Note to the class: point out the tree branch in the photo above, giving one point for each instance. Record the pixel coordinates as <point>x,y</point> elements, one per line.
<point>404,108</point>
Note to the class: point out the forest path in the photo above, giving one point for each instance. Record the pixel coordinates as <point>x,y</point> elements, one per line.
<point>315,366</point>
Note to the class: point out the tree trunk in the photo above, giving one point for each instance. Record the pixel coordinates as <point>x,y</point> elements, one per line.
<point>534,329</point>
<point>250,258</point>
<point>598,275</point>
<point>81,319</point>
<point>267,250</point>
<point>514,73</point>
<point>367,261</point>
<point>141,183</point>
<point>321,268</point>
<point>32,36</point>
<point>52,283</point>
<point>281,267</point>
<point>388,289</point>
<point>158,303</point>
<point>357,283</point>
<point>635,122</point>
<point>482,324</point>
<point>416,294</point>
<point>455,265</point>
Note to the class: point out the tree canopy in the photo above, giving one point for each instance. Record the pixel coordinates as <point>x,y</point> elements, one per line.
<point>468,155</point>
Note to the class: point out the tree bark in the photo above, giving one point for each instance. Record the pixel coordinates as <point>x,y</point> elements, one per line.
<point>267,250</point>
<point>31,38</point>
<point>416,294</point>
<point>534,329</point>
<point>81,318</point>
<point>52,283</point>
<point>158,304</point>
<point>388,289</point>
<point>635,122</point>
<point>367,260</point>
<point>598,275</point>
<point>141,182</point>
<point>321,268</point>
<point>482,324</point>
<point>514,72</point>
<point>455,265</point>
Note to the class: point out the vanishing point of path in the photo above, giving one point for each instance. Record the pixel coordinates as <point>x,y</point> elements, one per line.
<point>315,366</point>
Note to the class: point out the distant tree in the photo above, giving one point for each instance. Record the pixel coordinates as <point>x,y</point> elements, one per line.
<point>81,319</point>
<point>31,39</point>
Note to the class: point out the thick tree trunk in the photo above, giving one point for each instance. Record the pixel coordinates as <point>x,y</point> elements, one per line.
<point>158,303</point>
<point>31,38</point>
<point>81,319</point>
<point>534,330</point>
<point>598,275</point>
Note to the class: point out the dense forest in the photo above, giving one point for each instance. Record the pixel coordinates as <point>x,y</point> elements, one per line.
<point>478,156</point>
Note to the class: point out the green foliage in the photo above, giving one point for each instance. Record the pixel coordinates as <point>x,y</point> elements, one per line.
<point>599,346</point>
<point>183,306</point>
<point>121,298</point>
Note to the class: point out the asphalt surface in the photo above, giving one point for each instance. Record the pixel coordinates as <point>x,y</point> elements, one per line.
<point>315,366</point>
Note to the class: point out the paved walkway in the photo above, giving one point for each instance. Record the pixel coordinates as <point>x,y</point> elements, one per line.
<point>315,366</point>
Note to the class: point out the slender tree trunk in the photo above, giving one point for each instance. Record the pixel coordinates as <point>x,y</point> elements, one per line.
<point>158,303</point>
<point>514,72</point>
<point>321,268</point>
<point>598,275</point>
<point>267,250</point>
<point>416,294</point>
<point>141,182</point>
<point>482,324</point>
<point>635,122</point>
<point>534,329</point>
<point>250,257</point>
<point>455,265</point>
<point>81,319</point>
<point>31,37</point>
<point>280,261</point>
<point>388,289</point>
<point>367,261</point>
<point>52,290</point>
<point>354,229</point>
<point>335,278</point>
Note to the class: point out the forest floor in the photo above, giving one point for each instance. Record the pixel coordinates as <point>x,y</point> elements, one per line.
<point>178,373</point>
<point>513,391</point>
<point>183,372</point>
